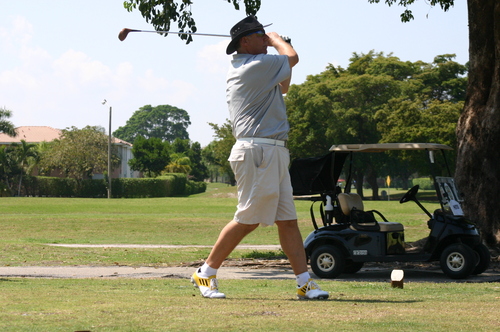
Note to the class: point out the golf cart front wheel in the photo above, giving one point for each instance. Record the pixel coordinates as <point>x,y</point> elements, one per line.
<point>327,261</point>
<point>458,261</point>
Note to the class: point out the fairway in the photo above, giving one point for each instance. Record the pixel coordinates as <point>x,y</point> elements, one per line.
<point>31,226</point>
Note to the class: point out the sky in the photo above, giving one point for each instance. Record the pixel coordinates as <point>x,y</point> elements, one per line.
<point>59,59</point>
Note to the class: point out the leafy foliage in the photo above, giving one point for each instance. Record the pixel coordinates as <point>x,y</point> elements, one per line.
<point>80,153</point>
<point>378,98</point>
<point>189,154</point>
<point>8,169</point>
<point>218,151</point>
<point>16,163</point>
<point>163,121</point>
<point>151,155</point>
<point>165,186</point>
<point>407,15</point>
<point>6,126</point>
<point>26,157</point>
<point>162,13</point>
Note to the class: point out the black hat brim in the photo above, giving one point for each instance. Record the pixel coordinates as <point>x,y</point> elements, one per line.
<point>231,48</point>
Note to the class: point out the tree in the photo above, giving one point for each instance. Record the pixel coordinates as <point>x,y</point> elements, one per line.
<point>339,106</point>
<point>6,126</point>
<point>16,162</point>
<point>26,155</point>
<point>221,148</point>
<point>151,155</point>
<point>478,134</point>
<point>429,108</point>
<point>163,121</point>
<point>8,168</point>
<point>79,153</point>
<point>377,98</point>
<point>191,150</point>
<point>179,164</point>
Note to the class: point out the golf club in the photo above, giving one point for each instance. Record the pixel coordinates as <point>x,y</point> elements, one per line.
<point>124,33</point>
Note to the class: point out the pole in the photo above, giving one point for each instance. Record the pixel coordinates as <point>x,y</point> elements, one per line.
<point>109,155</point>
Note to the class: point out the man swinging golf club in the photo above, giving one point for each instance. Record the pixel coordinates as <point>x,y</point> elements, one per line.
<point>260,158</point>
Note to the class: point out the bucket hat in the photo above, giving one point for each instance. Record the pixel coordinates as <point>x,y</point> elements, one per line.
<point>244,27</point>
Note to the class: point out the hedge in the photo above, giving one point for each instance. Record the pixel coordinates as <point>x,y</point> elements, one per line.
<point>165,186</point>
<point>424,183</point>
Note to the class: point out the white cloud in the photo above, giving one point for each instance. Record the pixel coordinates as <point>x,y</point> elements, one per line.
<point>75,67</point>
<point>19,33</point>
<point>212,59</point>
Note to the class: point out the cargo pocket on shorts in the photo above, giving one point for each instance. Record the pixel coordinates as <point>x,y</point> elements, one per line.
<point>236,156</point>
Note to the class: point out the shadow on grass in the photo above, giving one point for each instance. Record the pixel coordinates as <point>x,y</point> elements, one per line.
<point>358,301</point>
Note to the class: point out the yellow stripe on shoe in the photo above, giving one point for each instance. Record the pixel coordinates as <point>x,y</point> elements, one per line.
<point>311,291</point>
<point>208,287</point>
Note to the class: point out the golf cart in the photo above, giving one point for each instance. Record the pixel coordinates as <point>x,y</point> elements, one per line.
<point>349,236</point>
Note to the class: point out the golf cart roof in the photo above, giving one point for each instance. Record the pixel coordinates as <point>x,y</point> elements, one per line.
<point>380,147</point>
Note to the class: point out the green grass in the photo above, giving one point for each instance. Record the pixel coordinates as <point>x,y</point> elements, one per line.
<point>252,305</point>
<point>30,225</point>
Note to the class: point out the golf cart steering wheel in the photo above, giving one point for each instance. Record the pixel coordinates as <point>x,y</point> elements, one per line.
<point>410,195</point>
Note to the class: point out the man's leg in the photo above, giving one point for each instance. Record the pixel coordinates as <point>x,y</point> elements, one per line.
<point>230,236</point>
<point>291,243</point>
<point>205,277</point>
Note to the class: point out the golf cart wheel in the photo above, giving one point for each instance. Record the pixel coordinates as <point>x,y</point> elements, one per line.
<point>484,258</point>
<point>352,267</point>
<point>327,261</point>
<point>458,261</point>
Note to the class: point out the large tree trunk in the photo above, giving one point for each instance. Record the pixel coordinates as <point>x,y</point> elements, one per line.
<point>371,178</point>
<point>478,130</point>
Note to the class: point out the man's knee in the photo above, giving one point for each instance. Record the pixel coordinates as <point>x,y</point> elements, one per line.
<point>246,227</point>
<point>286,223</point>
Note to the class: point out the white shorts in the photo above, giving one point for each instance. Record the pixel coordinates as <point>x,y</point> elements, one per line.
<point>265,192</point>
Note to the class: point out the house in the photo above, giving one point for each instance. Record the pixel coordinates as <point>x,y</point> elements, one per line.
<point>38,134</point>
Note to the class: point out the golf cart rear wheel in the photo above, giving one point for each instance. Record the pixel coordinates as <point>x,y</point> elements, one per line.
<point>458,261</point>
<point>484,256</point>
<point>327,261</point>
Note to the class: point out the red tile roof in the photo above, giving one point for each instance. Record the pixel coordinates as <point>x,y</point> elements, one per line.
<point>31,134</point>
<point>37,134</point>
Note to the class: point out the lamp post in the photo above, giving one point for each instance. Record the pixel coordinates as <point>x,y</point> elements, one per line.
<point>109,150</point>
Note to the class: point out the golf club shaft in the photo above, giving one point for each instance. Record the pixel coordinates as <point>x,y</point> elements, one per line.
<point>183,33</point>
<point>124,33</point>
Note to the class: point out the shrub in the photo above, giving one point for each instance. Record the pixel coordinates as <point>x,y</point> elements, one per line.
<point>165,186</point>
<point>424,183</point>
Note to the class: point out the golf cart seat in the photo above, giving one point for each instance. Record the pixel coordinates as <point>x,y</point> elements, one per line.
<point>352,206</point>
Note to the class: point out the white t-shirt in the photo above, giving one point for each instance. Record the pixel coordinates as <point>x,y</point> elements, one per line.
<point>255,102</point>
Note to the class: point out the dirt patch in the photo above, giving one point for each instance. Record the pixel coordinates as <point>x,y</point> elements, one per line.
<point>248,263</point>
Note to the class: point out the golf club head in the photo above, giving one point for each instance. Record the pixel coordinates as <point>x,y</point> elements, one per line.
<point>124,33</point>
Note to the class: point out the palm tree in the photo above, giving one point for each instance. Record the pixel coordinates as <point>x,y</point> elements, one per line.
<point>7,166</point>
<point>6,126</point>
<point>26,153</point>
<point>179,164</point>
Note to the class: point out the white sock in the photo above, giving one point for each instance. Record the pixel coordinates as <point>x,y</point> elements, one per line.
<point>206,271</point>
<point>302,278</point>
